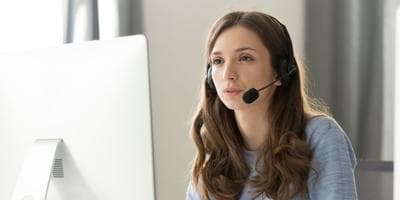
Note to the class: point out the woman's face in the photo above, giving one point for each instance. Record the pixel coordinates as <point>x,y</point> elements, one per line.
<point>240,62</point>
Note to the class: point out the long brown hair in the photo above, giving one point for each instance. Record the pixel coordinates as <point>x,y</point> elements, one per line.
<point>284,163</point>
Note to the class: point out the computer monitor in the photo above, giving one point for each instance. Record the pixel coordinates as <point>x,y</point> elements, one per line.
<point>80,112</point>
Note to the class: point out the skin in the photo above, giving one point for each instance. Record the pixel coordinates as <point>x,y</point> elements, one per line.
<point>240,61</point>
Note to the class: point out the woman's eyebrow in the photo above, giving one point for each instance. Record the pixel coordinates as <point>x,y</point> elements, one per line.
<point>245,48</point>
<point>237,50</point>
<point>216,53</point>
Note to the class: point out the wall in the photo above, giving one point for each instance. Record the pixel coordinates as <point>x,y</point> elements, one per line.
<point>176,31</point>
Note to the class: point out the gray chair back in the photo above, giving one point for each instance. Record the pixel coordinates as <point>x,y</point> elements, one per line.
<point>374,180</point>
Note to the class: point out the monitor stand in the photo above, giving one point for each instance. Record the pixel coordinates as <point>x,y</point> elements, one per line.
<point>34,178</point>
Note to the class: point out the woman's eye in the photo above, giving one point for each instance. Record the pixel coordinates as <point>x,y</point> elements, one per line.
<point>245,58</point>
<point>216,61</point>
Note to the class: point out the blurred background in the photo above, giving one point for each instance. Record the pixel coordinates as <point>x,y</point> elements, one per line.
<point>347,46</point>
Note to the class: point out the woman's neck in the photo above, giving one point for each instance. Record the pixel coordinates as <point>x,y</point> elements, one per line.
<point>254,126</point>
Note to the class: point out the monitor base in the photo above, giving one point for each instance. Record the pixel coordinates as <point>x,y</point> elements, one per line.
<point>34,178</point>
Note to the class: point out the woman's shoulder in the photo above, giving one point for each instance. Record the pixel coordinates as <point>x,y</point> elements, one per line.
<point>333,160</point>
<point>321,122</point>
<point>191,193</point>
<point>322,126</point>
<point>324,134</point>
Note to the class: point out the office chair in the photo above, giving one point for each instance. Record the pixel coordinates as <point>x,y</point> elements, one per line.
<point>374,180</point>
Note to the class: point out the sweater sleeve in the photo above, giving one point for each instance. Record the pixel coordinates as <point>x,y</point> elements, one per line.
<point>332,176</point>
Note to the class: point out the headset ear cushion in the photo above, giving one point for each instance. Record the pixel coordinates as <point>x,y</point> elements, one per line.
<point>286,70</point>
<point>210,81</point>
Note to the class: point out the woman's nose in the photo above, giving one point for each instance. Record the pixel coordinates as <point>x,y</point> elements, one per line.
<point>230,72</point>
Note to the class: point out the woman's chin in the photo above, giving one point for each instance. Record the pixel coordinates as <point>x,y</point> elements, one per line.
<point>234,105</point>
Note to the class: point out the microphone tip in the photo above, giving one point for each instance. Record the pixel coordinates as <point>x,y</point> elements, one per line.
<point>250,96</point>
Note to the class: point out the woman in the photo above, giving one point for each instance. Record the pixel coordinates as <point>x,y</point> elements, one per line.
<point>258,135</point>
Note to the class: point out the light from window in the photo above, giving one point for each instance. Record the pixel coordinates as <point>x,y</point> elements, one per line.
<point>26,24</point>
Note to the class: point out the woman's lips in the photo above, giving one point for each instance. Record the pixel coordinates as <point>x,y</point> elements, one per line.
<point>232,91</point>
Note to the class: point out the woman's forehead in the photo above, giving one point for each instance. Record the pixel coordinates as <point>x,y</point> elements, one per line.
<point>237,39</point>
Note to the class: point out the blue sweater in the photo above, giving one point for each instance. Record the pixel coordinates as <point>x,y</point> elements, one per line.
<point>333,159</point>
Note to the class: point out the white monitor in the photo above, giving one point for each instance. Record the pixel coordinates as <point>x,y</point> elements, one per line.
<point>75,122</point>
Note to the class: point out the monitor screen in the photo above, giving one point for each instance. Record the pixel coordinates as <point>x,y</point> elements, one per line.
<point>93,98</point>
